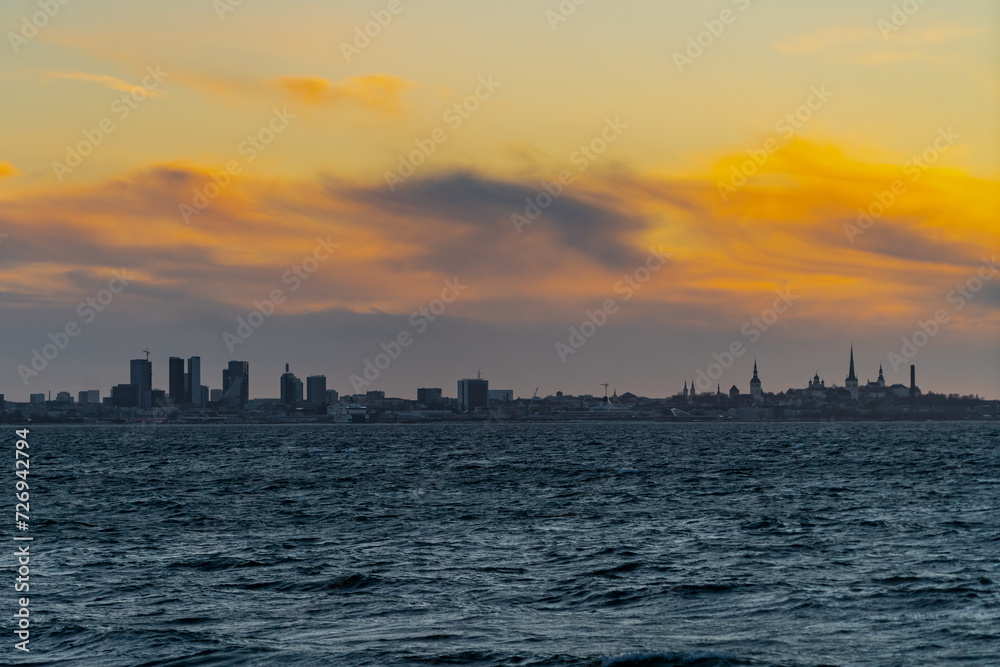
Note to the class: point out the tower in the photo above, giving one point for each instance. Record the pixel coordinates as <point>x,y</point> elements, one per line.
<point>851,383</point>
<point>685,388</point>
<point>881,378</point>
<point>141,376</point>
<point>755,389</point>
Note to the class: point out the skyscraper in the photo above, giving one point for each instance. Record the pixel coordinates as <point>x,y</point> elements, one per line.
<point>178,393</point>
<point>236,384</point>
<point>193,379</point>
<point>316,389</point>
<point>141,377</point>
<point>472,394</point>
<point>288,380</point>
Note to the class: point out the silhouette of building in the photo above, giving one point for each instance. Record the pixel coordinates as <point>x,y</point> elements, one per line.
<point>851,383</point>
<point>194,392</point>
<point>89,397</point>
<point>756,392</point>
<point>142,377</point>
<point>316,392</point>
<point>473,393</point>
<point>125,396</point>
<point>236,384</point>
<point>175,368</point>
<point>288,380</point>
<point>429,396</point>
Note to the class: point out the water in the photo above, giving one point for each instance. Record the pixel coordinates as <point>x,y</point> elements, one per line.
<point>566,544</point>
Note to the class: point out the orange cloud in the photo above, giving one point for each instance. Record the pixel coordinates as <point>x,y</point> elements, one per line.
<point>111,82</point>
<point>7,170</point>
<point>374,92</point>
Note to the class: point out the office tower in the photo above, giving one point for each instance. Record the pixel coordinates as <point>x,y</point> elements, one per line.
<point>236,384</point>
<point>288,380</point>
<point>142,378</point>
<point>297,391</point>
<point>472,394</point>
<point>192,389</point>
<point>332,396</point>
<point>316,389</point>
<point>175,367</point>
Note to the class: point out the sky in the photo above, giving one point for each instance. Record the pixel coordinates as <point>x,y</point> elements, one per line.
<point>400,194</point>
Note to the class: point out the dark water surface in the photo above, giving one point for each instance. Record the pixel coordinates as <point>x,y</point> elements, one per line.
<point>567,544</point>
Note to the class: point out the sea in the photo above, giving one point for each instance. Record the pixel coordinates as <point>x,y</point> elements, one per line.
<point>513,544</point>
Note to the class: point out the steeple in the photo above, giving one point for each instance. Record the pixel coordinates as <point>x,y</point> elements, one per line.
<point>755,368</point>
<point>851,383</point>
<point>881,378</point>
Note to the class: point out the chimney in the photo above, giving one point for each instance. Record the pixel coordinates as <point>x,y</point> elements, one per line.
<point>286,370</point>
<point>913,381</point>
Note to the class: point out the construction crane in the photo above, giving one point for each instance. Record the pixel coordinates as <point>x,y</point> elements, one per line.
<point>147,353</point>
<point>527,406</point>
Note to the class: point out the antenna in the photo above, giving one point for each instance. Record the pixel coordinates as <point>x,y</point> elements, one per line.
<point>147,353</point>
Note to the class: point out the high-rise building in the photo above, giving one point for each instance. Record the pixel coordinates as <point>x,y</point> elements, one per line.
<point>178,394</point>
<point>192,389</point>
<point>288,381</point>
<point>236,384</point>
<point>297,391</point>
<point>316,390</point>
<point>142,378</point>
<point>473,393</point>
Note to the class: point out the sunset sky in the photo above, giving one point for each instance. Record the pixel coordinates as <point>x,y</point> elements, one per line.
<point>746,159</point>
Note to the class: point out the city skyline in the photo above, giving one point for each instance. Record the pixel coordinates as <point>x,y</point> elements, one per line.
<point>293,389</point>
<point>785,178</point>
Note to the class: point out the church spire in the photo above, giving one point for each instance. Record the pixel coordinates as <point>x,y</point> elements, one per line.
<point>851,376</point>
